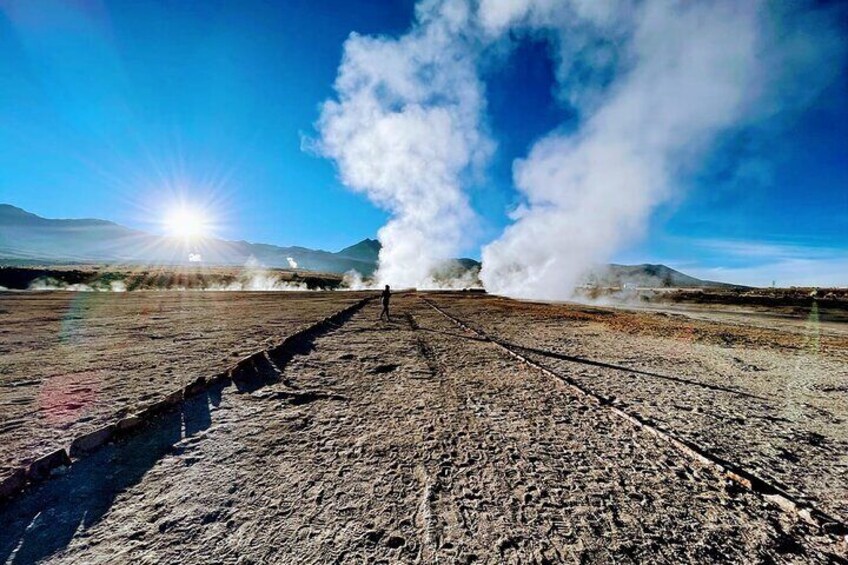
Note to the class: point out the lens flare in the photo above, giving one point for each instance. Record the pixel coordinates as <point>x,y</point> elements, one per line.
<point>186,222</point>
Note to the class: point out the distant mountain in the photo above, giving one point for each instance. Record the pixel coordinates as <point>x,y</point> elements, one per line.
<point>365,250</point>
<point>369,250</point>
<point>26,238</point>
<point>647,276</point>
<point>12,215</point>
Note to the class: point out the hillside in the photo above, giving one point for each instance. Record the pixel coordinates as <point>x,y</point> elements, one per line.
<point>26,238</point>
<point>648,276</point>
<point>29,239</point>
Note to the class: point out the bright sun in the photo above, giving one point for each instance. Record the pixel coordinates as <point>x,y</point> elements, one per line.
<point>186,222</point>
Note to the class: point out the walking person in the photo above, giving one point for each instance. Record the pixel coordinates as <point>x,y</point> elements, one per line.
<point>384,299</point>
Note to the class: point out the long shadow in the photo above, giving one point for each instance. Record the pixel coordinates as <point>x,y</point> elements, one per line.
<point>268,367</point>
<point>583,361</point>
<point>45,518</point>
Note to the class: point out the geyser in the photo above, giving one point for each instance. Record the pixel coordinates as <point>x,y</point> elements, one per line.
<point>652,85</point>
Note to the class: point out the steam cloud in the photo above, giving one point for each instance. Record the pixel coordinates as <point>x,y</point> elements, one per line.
<point>653,83</point>
<point>405,129</point>
<point>693,69</point>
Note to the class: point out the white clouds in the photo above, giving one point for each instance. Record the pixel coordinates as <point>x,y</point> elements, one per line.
<point>497,16</point>
<point>766,251</point>
<point>761,263</point>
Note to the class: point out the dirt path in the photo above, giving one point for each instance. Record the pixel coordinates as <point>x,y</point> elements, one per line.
<point>400,442</point>
<point>779,411</point>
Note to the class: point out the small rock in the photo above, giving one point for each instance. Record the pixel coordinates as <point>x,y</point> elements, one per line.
<point>195,387</point>
<point>13,483</point>
<point>129,423</point>
<point>174,398</point>
<point>41,468</point>
<point>91,441</point>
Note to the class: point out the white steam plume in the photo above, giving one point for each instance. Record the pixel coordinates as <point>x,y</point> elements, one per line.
<point>405,130</point>
<point>653,84</point>
<point>693,73</point>
<point>352,280</point>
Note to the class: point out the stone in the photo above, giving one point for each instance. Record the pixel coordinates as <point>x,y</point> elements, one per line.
<point>219,378</point>
<point>91,441</point>
<point>40,468</point>
<point>195,387</point>
<point>154,409</point>
<point>174,398</point>
<point>12,483</point>
<point>129,423</point>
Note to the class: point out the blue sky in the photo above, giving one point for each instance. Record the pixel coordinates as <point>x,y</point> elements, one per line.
<point>114,109</point>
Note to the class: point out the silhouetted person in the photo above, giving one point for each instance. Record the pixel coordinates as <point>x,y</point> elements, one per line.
<point>384,299</point>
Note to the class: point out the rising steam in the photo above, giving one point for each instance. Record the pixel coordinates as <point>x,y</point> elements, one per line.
<point>653,83</point>
<point>692,73</point>
<point>405,129</point>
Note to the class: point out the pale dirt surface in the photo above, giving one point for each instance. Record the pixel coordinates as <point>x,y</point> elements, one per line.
<point>399,442</point>
<point>810,321</point>
<point>71,361</point>
<point>772,399</point>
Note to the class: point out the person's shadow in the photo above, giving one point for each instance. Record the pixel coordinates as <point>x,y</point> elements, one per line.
<point>44,519</point>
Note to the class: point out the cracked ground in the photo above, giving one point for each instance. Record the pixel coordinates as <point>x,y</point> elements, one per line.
<point>411,441</point>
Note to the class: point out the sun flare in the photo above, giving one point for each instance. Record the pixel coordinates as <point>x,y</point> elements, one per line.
<point>186,222</point>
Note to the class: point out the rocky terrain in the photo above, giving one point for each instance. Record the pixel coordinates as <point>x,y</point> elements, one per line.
<point>417,440</point>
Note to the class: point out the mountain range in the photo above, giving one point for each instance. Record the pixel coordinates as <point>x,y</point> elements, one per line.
<point>26,238</point>
<point>29,239</point>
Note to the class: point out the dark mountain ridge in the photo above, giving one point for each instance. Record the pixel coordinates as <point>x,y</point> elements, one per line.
<point>365,250</point>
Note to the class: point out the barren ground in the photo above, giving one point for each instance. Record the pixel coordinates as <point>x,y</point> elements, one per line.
<point>412,441</point>
<point>71,361</point>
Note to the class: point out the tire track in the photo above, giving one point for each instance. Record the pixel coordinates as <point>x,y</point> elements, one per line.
<point>745,478</point>
<point>603,365</point>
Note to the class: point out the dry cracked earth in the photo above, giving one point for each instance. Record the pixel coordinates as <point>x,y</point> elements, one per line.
<point>414,441</point>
